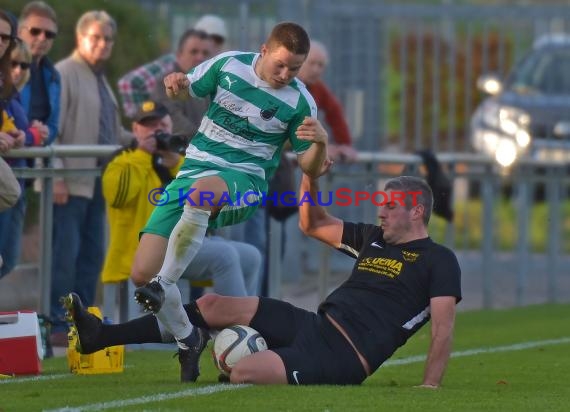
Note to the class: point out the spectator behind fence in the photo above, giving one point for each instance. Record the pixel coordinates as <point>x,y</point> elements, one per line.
<point>10,137</point>
<point>130,179</point>
<point>400,281</point>
<point>37,132</point>
<point>89,115</point>
<point>40,95</point>
<point>8,30</point>
<point>311,74</point>
<point>194,47</point>
<point>14,119</point>
<point>137,85</point>
<point>10,191</point>
<point>13,124</point>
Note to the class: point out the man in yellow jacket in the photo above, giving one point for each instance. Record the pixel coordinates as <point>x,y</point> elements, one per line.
<point>132,186</point>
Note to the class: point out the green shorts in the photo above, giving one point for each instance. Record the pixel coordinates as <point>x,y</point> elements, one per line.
<point>238,203</point>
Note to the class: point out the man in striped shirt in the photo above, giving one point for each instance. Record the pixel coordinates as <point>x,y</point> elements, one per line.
<point>136,86</point>
<point>257,106</point>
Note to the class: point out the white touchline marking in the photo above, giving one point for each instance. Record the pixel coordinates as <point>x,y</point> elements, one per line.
<point>208,390</point>
<point>205,390</point>
<point>477,351</point>
<point>34,378</point>
<point>23,379</point>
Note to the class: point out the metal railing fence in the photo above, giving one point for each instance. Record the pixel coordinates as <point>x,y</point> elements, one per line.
<point>365,174</point>
<point>46,175</point>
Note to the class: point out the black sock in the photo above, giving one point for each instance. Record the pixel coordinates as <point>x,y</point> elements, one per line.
<point>195,316</point>
<point>141,330</point>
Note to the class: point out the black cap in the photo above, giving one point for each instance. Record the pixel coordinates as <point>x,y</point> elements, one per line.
<point>150,109</point>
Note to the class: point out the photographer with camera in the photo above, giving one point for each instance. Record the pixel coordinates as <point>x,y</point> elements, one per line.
<point>170,142</point>
<point>132,184</point>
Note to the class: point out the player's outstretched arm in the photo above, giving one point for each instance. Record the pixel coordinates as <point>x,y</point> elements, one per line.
<point>442,322</point>
<point>177,86</point>
<point>314,220</point>
<point>312,160</point>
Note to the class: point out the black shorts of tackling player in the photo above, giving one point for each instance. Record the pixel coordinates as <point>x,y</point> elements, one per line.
<point>311,348</point>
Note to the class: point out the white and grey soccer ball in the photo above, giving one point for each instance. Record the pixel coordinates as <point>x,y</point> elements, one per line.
<point>234,343</point>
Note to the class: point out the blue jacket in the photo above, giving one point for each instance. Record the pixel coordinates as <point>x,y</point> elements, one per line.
<point>15,110</point>
<point>53,83</point>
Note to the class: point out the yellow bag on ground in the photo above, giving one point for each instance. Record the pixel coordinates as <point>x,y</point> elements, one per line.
<point>108,360</point>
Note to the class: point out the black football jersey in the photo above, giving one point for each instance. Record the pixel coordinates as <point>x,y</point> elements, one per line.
<point>387,297</point>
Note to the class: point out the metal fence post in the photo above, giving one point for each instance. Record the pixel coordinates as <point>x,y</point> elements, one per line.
<point>46,230</point>
<point>487,246</point>
<point>275,261</point>
<point>324,251</point>
<point>523,219</point>
<point>449,228</point>
<point>554,224</point>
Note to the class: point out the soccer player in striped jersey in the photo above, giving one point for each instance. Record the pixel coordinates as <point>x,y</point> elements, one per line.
<point>257,105</point>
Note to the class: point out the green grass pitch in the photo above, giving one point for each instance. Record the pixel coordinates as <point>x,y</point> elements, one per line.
<point>504,360</point>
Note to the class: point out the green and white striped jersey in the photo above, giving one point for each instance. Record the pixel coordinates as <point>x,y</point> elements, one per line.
<point>247,122</point>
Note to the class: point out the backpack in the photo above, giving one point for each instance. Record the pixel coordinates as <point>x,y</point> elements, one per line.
<point>440,185</point>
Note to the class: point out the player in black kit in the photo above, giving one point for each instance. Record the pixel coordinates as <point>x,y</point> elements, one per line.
<point>401,279</point>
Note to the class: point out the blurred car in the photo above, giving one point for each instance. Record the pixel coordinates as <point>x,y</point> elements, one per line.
<point>529,113</point>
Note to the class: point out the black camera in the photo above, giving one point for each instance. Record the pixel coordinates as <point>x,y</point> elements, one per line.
<point>170,142</point>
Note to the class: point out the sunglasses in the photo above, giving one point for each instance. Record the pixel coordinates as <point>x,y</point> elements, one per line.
<point>5,37</point>
<point>34,31</point>
<point>23,65</point>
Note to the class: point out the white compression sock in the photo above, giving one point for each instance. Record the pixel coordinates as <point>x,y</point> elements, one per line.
<point>183,244</point>
<point>173,316</point>
<point>168,337</point>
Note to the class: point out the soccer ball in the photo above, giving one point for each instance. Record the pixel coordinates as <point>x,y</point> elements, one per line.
<point>234,343</point>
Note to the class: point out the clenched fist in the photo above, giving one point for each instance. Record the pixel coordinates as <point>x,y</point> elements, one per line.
<point>177,85</point>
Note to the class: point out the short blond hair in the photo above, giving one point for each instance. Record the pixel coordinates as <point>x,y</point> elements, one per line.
<point>95,16</point>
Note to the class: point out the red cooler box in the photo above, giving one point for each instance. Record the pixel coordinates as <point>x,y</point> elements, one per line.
<point>21,348</point>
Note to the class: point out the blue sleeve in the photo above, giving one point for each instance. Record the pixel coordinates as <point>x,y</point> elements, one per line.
<point>54,91</point>
<point>20,119</point>
<point>29,138</point>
